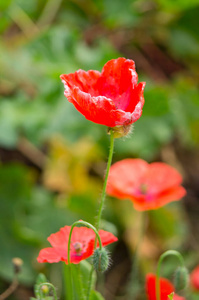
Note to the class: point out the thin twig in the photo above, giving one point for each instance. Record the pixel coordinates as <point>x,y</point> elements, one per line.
<point>10,289</point>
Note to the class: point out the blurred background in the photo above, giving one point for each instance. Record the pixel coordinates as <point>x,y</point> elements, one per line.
<point>52,159</point>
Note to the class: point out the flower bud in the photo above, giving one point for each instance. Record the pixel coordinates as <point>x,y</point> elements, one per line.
<point>41,278</point>
<point>100,260</point>
<point>120,131</point>
<point>45,289</point>
<point>17,263</point>
<point>181,278</point>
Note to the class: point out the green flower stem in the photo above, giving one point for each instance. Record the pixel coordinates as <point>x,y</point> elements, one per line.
<point>69,241</point>
<point>78,281</point>
<point>87,225</point>
<point>81,289</point>
<point>90,283</point>
<point>102,200</point>
<point>68,283</point>
<point>105,179</point>
<point>50,285</point>
<point>133,275</point>
<point>165,254</point>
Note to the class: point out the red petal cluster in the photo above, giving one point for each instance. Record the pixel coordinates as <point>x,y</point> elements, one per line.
<point>82,245</point>
<point>194,278</point>
<point>111,98</point>
<point>148,186</point>
<point>166,288</point>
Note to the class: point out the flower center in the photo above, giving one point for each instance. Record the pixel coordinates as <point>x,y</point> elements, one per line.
<point>78,248</point>
<point>143,189</point>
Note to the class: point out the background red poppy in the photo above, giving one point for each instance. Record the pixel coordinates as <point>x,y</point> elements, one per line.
<point>148,186</point>
<point>166,288</point>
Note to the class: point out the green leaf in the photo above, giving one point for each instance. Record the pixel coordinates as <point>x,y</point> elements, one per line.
<point>96,296</point>
<point>85,268</point>
<point>177,5</point>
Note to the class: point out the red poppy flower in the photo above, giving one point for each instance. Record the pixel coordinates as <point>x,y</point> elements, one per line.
<point>148,186</point>
<point>82,245</point>
<point>111,98</point>
<point>166,288</point>
<point>194,278</point>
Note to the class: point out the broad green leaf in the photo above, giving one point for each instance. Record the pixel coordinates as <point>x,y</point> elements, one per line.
<point>96,295</point>
<point>177,5</point>
<point>86,268</point>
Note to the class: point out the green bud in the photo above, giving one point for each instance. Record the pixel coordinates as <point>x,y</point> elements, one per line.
<point>45,289</point>
<point>41,278</point>
<point>181,278</point>
<point>101,260</point>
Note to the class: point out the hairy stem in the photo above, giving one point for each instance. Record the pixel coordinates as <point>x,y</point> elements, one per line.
<point>162,257</point>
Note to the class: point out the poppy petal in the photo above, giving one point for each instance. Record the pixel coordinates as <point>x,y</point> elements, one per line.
<point>174,194</point>
<point>106,238</point>
<point>139,94</point>
<point>82,234</point>
<point>194,278</point>
<point>166,287</point>
<point>117,82</point>
<point>148,186</point>
<point>82,237</point>
<point>126,175</point>
<point>85,81</point>
<point>60,238</point>
<point>110,98</point>
<point>161,176</point>
<point>99,109</point>
<point>52,255</point>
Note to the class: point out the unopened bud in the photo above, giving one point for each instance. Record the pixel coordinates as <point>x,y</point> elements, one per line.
<point>100,260</point>
<point>120,131</point>
<point>41,278</point>
<point>45,289</point>
<point>181,278</point>
<point>17,263</point>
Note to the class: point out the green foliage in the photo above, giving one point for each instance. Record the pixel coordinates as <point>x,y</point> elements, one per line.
<point>85,268</point>
<point>42,289</point>
<point>22,216</point>
<point>177,5</point>
<point>42,39</point>
<point>96,296</point>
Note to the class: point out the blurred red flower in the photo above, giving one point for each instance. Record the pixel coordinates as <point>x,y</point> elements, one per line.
<point>148,186</point>
<point>166,288</point>
<point>194,278</point>
<point>111,98</point>
<point>82,245</point>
